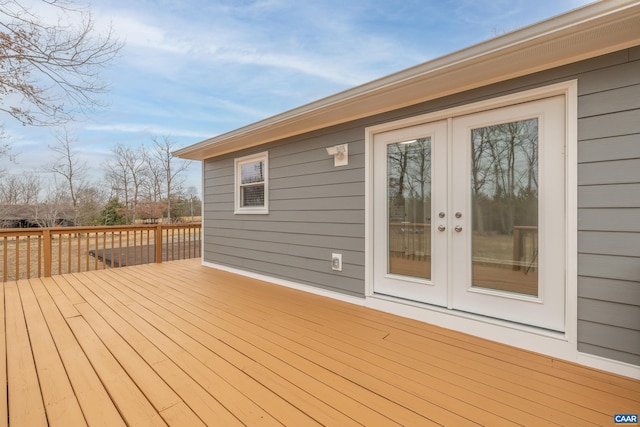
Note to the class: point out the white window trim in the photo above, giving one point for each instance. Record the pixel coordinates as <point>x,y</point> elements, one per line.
<point>237,166</point>
<point>561,345</point>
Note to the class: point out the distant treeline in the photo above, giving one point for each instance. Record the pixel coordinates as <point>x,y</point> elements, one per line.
<point>140,184</point>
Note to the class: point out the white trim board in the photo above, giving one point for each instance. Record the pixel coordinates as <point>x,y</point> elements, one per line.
<point>288,284</point>
<point>503,332</point>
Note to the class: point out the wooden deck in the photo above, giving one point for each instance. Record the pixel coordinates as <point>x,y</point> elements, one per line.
<point>185,345</point>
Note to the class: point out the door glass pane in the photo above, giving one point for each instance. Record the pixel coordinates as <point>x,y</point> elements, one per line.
<point>409,205</point>
<point>504,191</point>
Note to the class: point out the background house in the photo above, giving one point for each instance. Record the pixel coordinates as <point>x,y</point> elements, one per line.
<point>538,129</point>
<point>29,216</point>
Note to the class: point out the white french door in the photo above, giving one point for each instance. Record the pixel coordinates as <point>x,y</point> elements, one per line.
<point>469,213</point>
<point>411,196</point>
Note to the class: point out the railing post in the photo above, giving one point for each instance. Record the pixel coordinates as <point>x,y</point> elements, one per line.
<point>158,239</point>
<point>47,252</point>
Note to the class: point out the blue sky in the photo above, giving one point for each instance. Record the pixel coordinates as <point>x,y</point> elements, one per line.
<point>193,69</point>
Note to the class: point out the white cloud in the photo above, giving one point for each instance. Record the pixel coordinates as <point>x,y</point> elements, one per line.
<point>152,129</point>
<point>316,42</point>
<point>194,68</point>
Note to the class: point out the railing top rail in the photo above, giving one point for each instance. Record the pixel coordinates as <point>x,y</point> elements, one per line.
<point>94,228</point>
<point>11,232</point>
<point>182,225</point>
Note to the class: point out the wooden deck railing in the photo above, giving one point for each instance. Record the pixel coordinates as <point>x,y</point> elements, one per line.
<point>38,252</point>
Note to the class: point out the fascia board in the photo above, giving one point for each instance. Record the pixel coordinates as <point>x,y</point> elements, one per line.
<point>594,30</point>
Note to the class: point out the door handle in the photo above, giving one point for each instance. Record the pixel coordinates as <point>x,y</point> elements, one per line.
<point>441,228</point>
<point>458,228</point>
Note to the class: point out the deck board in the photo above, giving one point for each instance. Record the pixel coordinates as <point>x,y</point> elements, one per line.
<point>139,335</point>
<point>59,400</point>
<point>181,344</point>
<point>97,406</point>
<point>244,323</point>
<point>26,407</point>
<point>239,333</point>
<point>455,398</point>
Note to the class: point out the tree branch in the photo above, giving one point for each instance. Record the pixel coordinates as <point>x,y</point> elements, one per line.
<point>53,70</point>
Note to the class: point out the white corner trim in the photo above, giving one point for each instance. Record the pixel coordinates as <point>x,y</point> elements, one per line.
<point>202,207</point>
<point>571,207</point>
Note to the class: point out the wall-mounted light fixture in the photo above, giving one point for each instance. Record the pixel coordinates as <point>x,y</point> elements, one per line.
<point>340,154</point>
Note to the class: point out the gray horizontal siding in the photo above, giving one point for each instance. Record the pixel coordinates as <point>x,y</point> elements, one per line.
<point>609,313</point>
<point>609,211</point>
<point>609,341</point>
<point>612,148</point>
<point>620,291</point>
<point>625,171</point>
<point>610,101</point>
<point>344,243</point>
<point>316,209</point>
<point>610,219</point>
<point>608,243</point>
<point>622,123</point>
<point>609,196</point>
<point>609,267</point>
<point>304,228</point>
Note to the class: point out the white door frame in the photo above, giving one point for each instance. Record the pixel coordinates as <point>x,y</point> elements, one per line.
<point>559,344</point>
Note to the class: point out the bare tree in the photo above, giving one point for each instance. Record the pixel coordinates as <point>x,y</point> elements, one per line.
<point>135,163</point>
<point>153,178</point>
<point>70,168</point>
<point>127,172</point>
<point>143,179</point>
<point>173,173</point>
<point>505,175</point>
<point>193,197</point>
<point>30,188</point>
<point>5,148</point>
<point>118,175</point>
<point>50,62</point>
<point>10,193</point>
<point>19,198</point>
<point>54,207</point>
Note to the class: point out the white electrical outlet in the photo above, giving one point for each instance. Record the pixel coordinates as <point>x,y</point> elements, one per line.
<point>336,262</point>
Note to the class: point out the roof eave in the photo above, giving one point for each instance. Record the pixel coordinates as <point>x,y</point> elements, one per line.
<point>588,32</point>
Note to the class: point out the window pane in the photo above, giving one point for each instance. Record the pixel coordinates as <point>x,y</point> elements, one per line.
<point>252,195</point>
<point>252,172</point>
<point>409,203</point>
<point>504,188</point>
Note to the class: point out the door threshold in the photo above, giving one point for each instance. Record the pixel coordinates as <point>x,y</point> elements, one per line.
<point>451,318</point>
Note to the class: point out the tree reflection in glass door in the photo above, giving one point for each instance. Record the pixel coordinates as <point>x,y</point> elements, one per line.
<point>504,191</point>
<point>409,208</point>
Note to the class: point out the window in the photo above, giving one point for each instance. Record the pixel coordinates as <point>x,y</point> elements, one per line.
<point>251,184</point>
